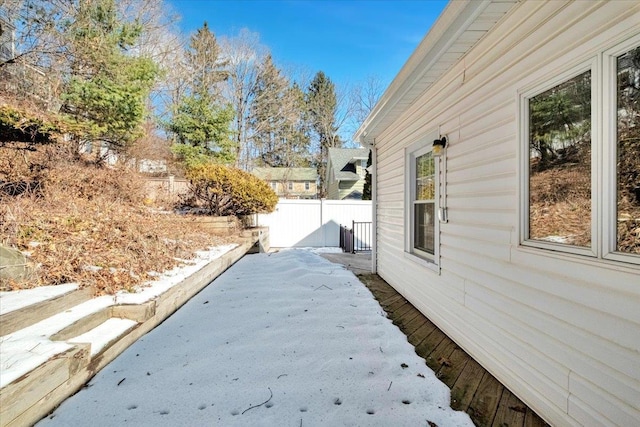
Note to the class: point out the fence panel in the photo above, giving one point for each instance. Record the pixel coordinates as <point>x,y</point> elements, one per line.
<point>312,223</point>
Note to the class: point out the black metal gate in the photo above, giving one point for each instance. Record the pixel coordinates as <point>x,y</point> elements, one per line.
<point>357,238</point>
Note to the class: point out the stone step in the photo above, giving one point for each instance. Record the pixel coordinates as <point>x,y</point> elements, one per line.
<point>21,309</point>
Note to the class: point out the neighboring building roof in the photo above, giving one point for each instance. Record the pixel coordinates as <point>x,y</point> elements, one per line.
<point>286,174</point>
<point>341,162</point>
<point>460,26</point>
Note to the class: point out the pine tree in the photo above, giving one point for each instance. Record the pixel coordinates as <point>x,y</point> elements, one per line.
<point>276,120</point>
<point>322,108</point>
<point>108,86</point>
<point>201,123</point>
<point>366,191</point>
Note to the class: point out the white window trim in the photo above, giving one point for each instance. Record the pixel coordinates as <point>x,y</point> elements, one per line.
<point>420,147</point>
<point>603,156</point>
<point>609,152</point>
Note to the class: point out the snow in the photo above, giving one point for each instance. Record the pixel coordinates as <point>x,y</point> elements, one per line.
<point>14,300</point>
<point>24,350</point>
<point>287,338</point>
<point>102,334</point>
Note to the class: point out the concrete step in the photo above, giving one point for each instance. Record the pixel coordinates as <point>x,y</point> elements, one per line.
<point>21,309</point>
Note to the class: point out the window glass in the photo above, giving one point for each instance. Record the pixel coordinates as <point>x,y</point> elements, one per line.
<point>560,163</point>
<point>290,186</point>
<point>628,152</point>
<point>424,204</point>
<point>424,231</point>
<point>307,185</point>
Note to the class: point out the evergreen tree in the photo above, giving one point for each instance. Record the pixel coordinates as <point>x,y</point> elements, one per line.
<point>201,123</point>
<point>366,191</point>
<point>277,119</point>
<point>203,59</point>
<point>204,126</point>
<point>322,107</point>
<point>107,89</point>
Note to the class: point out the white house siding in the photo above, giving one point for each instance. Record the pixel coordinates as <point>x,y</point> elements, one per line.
<point>348,187</point>
<point>332,190</point>
<point>561,331</point>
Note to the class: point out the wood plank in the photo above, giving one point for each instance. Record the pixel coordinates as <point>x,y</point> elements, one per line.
<point>421,333</point>
<point>391,300</point>
<point>465,387</point>
<point>441,354</point>
<point>402,311</point>
<point>531,419</point>
<point>483,407</point>
<point>430,342</point>
<point>511,411</point>
<point>27,316</point>
<point>413,325</point>
<point>451,369</point>
<point>397,305</point>
<point>407,318</point>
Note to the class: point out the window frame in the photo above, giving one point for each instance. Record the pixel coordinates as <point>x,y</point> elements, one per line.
<point>610,152</point>
<point>417,149</point>
<point>603,66</point>
<point>524,216</point>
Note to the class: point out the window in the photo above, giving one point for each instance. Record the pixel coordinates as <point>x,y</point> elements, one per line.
<point>274,185</point>
<point>307,185</point>
<point>581,174</point>
<point>290,185</point>
<point>560,163</point>
<point>422,190</point>
<point>627,161</point>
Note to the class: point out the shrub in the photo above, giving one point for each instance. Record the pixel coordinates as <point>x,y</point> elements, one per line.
<point>224,190</point>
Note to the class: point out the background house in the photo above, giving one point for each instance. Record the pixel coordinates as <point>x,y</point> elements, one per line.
<point>346,173</point>
<point>537,278</point>
<point>290,183</point>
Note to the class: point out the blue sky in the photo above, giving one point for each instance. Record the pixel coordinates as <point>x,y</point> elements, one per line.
<point>349,40</point>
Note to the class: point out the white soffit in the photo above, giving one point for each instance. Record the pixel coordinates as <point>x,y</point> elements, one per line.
<point>459,27</point>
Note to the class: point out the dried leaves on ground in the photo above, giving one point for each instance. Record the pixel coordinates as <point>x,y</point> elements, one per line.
<point>89,224</point>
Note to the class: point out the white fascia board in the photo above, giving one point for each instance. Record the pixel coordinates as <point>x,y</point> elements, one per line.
<point>457,17</point>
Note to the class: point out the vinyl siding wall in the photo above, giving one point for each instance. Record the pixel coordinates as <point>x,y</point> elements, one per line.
<point>348,187</point>
<point>561,331</point>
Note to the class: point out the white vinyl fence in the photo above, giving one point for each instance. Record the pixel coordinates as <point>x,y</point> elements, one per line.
<point>312,223</point>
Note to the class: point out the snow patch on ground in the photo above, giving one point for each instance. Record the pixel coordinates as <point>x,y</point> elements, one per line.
<point>279,339</point>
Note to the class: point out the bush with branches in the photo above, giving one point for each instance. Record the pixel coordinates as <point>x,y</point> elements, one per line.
<point>223,190</point>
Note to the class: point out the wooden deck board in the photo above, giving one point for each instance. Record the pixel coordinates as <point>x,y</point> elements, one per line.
<point>484,405</point>
<point>407,319</point>
<point>473,389</point>
<point>403,311</point>
<point>464,388</point>
<point>452,367</point>
<point>511,411</point>
<point>421,333</point>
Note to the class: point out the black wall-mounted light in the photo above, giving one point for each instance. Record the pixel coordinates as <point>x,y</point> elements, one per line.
<point>439,145</point>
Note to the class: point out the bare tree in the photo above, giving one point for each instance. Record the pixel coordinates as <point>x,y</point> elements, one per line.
<point>363,98</point>
<point>244,54</point>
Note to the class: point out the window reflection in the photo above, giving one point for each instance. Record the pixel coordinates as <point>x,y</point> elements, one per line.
<point>560,163</point>
<point>628,149</point>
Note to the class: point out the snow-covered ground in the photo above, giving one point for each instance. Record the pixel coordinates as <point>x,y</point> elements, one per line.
<point>282,339</point>
<point>26,349</point>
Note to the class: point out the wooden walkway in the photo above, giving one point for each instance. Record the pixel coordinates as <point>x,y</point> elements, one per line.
<point>473,389</point>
